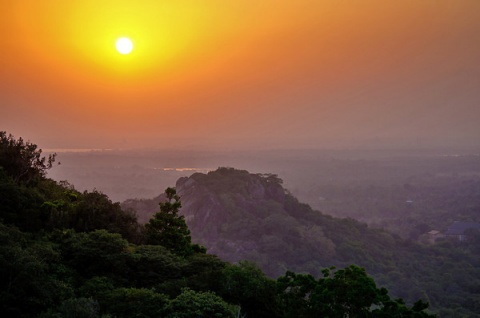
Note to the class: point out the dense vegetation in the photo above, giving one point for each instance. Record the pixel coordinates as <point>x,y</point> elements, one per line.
<point>69,254</point>
<point>239,215</point>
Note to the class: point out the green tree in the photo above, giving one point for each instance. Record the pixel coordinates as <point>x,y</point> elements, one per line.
<point>74,308</point>
<point>22,160</point>
<point>20,205</point>
<point>133,302</point>
<point>31,278</point>
<point>397,308</point>
<point>97,253</point>
<point>349,292</point>
<point>294,294</point>
<point>167,228</point>
<point>152,265</point>
<point>247,286</point>
<point>200,304</point>
<point>203,271</point>
<point>95,211</point>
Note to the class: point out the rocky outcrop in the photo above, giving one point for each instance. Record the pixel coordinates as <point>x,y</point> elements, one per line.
<point>238,215</point>
<point>201,209</point>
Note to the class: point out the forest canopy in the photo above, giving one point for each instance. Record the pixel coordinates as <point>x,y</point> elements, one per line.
<point>65,253</point>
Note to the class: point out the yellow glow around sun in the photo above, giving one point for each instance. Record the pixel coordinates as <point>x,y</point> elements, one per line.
<point>124,45</point>
<point>166,37</point>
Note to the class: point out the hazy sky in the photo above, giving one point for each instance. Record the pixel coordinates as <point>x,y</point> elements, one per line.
<point>240,74</point>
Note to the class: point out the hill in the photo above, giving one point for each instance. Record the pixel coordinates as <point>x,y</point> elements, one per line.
<point>238,215</point>
<point>65,253</point>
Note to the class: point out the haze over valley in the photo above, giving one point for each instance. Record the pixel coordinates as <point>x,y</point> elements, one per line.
<point>374,186</point>
<point>277,159</point>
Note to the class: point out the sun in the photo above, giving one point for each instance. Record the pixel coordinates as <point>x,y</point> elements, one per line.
<point>124,45</point>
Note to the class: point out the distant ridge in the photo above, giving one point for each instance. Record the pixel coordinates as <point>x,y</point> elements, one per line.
<point>238,215</point>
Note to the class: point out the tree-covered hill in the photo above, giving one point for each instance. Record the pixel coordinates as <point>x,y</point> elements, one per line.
<point>69,254</point>
<point>409,206</point>
<point>238,215</point>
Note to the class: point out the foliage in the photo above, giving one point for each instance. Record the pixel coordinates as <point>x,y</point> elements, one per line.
<point>94,211</point>
<point>74,308</point>
<point>203,271</point>
<point>32,277</point>
<point>133,302</point>
<point>167,228</point>
<point>21,160</point>
<point>34,203</point>
<point>199,304</point>
<point>247,286</point>
<point>20,205</point>
<point>153,265</point>
<point>349,293</point>
<point>257,221</point>
<point>77,255</point>
<point>97,253</point>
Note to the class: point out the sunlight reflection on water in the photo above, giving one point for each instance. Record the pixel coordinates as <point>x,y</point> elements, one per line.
<point>186,169</point>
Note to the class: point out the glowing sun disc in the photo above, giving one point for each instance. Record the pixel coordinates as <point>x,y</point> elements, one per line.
<point>124,45</point>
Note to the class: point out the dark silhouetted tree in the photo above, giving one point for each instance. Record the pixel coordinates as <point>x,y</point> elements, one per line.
<point>21,160</point>
<point>349,292</point>
<point>167,228</point>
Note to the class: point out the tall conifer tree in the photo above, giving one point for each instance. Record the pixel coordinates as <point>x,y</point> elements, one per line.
<point>167,228</point>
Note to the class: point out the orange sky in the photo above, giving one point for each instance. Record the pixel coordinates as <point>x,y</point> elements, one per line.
<point>240,74</point>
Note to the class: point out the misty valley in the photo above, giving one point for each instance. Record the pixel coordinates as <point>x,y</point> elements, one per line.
<point>407,192</point>
<point>239,159</point>
<point>301,233</point>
